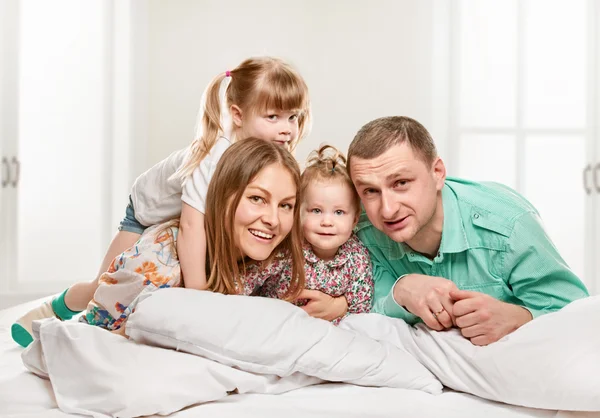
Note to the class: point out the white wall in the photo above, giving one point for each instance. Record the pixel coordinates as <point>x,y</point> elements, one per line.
<point>361,60</point>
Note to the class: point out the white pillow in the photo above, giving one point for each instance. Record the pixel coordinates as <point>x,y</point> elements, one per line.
<point>94,372</point>
<point>270,336</point>
<point>552,362</point>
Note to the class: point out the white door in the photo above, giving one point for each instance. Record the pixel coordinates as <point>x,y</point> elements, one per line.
<point>591,170</point>
<point>9,12</point>
<point>56,139</point>
<point>593,215</point>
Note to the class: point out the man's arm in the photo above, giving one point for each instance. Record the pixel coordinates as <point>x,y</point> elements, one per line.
<point>538,277</point>
<point>383,300</point>
<point>536,272</point>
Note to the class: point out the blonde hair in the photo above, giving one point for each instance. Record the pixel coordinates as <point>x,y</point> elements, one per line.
<point>257,84</point>
<point>328,164</point>
<point>240,164</point>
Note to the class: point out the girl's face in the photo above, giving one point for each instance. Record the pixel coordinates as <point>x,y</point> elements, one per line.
<point>265,214</point>
<point>278,126</point>
<point>328,216</point>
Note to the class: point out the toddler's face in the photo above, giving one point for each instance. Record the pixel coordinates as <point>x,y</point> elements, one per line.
<point>328,216</point>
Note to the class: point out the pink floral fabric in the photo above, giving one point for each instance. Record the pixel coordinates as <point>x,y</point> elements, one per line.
<point>348,274</point>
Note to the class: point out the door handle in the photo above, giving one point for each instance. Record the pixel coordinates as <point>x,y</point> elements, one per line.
<point>597,177</point>
<point>586,187</point>
<point>17,165</point>
<point>5,172</point>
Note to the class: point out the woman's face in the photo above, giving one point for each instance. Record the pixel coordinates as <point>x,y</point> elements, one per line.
<point>265,214</point>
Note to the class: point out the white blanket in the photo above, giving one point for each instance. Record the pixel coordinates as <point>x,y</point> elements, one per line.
<point>95,372</point>
<point>552,362</point>
<point>253,341</point>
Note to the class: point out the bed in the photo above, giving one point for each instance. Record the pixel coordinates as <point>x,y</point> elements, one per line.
<point>22,394</point>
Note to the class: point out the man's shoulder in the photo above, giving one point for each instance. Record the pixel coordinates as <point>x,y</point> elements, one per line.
<point>488,205</point>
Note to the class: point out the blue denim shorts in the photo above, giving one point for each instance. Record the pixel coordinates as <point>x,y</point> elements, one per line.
<point>129,223</point>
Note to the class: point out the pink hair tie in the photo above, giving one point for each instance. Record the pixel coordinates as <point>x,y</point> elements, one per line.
<point>227,73</point>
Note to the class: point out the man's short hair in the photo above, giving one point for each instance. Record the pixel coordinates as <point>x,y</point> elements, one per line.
<point>379,135</point>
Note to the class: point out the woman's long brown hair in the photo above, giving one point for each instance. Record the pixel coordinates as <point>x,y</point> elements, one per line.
<point>238,166</point>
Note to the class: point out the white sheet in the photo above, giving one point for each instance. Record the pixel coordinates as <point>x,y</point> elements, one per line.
<point>24,395</point>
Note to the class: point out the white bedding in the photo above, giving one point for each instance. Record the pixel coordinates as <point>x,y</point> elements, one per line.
<point>23,394</point>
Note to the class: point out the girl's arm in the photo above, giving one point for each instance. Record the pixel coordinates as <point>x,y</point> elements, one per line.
<point>360,294</point>
<point>191,248</point>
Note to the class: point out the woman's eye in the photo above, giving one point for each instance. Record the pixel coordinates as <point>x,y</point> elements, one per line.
<point>287,206</point>
<point>256,199</point>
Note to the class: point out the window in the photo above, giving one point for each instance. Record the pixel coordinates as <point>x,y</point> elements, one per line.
<point>519,102</point>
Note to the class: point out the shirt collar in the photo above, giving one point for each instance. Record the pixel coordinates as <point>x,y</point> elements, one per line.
<point>341,257</point>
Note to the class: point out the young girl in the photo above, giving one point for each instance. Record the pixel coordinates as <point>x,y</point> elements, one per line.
<point>263,98</point>
<point>245,225</point>
<point>335,261</point>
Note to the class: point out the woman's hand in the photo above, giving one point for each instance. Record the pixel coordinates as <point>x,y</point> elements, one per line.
<point>321,305</point>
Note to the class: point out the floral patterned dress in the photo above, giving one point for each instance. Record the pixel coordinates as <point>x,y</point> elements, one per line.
<point>149,265</point>
<point>348,274</point>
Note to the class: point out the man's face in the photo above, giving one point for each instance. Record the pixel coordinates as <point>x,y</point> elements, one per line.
<point>399,191</point>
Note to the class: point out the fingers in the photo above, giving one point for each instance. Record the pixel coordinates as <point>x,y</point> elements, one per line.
<point>467,320</point>
<point>307,294</point>
<point>440,305</point>
<point>465,306</point>
<point>482,340</point>
<point>473,331</point>
<point>443,317</point>
<point>462,294</point>
<point>430,320</point>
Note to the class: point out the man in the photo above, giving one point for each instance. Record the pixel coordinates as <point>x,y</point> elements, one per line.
<point>447,251</point>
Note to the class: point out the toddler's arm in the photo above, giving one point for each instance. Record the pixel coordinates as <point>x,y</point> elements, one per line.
<point>191,248</point>
<point>360,295</point>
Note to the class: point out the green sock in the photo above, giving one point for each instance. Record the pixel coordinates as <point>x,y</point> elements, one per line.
<point>60,307</point>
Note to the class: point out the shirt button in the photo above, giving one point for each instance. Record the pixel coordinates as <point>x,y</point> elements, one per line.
<point>439,254</point>
<point>476,216</point>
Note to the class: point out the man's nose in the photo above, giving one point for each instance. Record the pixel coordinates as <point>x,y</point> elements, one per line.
<point>389,205</point>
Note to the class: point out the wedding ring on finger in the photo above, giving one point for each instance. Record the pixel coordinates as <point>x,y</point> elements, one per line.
<point>436,314</point>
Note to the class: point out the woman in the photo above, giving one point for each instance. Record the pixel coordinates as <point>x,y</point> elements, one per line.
<point>252,212</point>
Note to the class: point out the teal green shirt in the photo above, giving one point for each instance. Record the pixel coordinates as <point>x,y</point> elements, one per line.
<point>493,242</point>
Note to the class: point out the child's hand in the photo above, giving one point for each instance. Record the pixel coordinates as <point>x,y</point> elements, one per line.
<point>321,305</point>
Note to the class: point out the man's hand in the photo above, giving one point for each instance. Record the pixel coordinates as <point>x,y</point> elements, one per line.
<point>484,319</point>
<point>321,305</point>
<point>428,298</point>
